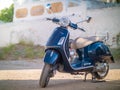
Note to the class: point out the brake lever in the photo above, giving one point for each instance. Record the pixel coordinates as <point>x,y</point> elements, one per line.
<point>81,29</point>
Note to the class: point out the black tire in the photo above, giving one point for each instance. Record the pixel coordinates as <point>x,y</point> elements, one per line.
<point>103,74</point>
<point>45,76</point>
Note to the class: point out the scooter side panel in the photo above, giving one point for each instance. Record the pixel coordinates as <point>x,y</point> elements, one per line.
<point>99,51</point>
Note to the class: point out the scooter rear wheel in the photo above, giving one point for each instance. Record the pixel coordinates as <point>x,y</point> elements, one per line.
<point>45,75</point>
<point>103,73</point>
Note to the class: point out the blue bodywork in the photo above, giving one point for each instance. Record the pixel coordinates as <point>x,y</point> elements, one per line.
<point>51,56</point>
<point>99,51</point>
<point>58,45</point>
<point>59,41</point>
<point>57,51</point>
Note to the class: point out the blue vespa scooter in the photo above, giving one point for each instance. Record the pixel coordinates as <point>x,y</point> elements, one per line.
<point>89,55</point>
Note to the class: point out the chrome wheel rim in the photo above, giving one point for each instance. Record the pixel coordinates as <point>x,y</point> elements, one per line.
<point>104,69</point>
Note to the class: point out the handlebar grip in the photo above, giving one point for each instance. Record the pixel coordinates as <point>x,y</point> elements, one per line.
<point>55,20</point>
<point>48,19</point>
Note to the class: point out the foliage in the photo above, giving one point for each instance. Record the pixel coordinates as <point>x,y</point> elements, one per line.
<point>116,53</point>
<point>26,42</point>
<point>118,1</point>
<point>21,51</point>
<point>118,39</point>
<point>5,51</point>
<point>6,14</point>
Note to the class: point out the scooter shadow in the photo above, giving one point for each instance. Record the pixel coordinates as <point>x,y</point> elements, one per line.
<point>69,83</point>
<point>59,84</point>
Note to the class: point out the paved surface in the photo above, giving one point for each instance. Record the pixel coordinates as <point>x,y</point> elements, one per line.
<point>24,75</point>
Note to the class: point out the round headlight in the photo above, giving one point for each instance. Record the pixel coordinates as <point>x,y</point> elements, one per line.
<point>64,21</point>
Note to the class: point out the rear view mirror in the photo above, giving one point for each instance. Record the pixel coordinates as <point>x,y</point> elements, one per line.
<point>48,6</point>
<point>88,19</point>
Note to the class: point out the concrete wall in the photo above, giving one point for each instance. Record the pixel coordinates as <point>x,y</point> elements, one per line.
<point>38,31</point>
<point>33,10</point>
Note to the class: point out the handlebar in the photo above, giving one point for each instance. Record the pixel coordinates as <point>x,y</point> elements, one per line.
<point>75,26</point>
<point>70,24</point>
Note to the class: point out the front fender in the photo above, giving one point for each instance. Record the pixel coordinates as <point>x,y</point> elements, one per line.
<point>51,56</point>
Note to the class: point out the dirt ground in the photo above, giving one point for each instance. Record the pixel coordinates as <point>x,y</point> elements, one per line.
<point>24,75</point>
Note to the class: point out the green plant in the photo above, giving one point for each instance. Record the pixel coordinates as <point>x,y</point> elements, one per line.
<point>5,51</point>
<point>8,48</point>
<point>6,14</point>
<point>116,53</point>
<point>21,51</point>
<point>24,42</point>
<point>118,1</point>
<point>2,55</point>
<point>118,39</point>
<point>29,52</point>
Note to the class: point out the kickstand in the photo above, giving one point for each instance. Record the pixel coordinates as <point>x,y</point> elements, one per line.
<point>86,73</point>
<point>94,79</point>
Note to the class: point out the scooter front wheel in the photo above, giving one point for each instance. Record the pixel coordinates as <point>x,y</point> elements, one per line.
<point>45,75</point>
